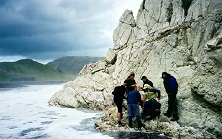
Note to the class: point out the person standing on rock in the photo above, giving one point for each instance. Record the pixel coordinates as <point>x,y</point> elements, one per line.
<point>171,87</point>
<point>119,94</point>
<point>133,107</point>
<point>130,81</point>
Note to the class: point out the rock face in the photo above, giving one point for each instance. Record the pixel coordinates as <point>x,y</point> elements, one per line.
<point>182,37</point>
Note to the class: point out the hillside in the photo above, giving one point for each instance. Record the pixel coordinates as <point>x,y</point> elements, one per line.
<point>73,64</point>
<point>29,70</point>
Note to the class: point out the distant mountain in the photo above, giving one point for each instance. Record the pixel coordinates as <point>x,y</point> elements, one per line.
<point>73,64</point>
<point>29,70</point>
<point>61,69</point>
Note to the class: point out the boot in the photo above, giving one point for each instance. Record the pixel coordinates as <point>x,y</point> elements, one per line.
<point>141,125</point>
<point>167,115</point>
<point>130,121</point>
<point>120,124</point>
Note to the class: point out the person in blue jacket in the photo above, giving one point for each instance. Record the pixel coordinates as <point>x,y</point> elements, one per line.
<point>133,106</point>
<point>171,87</point>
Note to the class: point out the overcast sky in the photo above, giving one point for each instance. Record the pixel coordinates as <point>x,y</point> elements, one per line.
<point>44,30</point>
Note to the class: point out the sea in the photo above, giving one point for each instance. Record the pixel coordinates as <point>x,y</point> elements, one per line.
<point>25,114</point>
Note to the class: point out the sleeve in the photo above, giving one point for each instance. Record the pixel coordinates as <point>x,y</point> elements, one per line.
<point>127,82</point>
<point>166,85</point>
<point>173,84</point>
<point>139,99</point>
<point>123,93</point>
<point>155,90</point>
<point>114,91</point>
<point>151,83</point>
<point>158,92</point>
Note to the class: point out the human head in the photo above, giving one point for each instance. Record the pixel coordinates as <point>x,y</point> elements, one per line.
<point>165,75</point>
<point>132,75</point>
<point>143,78</point>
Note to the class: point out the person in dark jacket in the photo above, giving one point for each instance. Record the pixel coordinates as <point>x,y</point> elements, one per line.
<point>151,109</point>
<point>130,81</point>
<point>150,95</point>
<point>133,108</point>
<point>171,87</point>
<point>119,92</point>
<point>146,81</point>
<point>152,89</point>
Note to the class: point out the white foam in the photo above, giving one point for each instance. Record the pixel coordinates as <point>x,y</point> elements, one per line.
<point>24,113</point>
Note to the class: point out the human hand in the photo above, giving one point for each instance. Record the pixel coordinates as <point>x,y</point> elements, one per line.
<point>140,88</point>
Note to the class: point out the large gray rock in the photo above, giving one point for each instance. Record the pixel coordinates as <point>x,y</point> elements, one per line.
<point>182,37</point>
<point>91,89</point>
<point>110,56</point>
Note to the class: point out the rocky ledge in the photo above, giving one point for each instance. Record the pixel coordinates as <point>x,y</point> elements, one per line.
<point>182,37</point>
<point>162,124</point>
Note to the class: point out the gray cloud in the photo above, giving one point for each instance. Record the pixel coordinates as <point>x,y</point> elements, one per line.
<point>49,29</point>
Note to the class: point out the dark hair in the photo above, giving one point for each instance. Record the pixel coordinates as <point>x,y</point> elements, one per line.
<point>143,77</point>
<point>131,74</point>
<point>167,75</point>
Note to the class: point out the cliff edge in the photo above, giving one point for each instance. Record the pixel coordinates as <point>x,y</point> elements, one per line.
<point>182,37</point>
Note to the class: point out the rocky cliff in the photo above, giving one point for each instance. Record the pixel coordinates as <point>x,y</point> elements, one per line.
<point>182,37</point>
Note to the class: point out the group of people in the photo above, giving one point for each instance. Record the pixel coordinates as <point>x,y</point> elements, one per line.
<point>145,104</point>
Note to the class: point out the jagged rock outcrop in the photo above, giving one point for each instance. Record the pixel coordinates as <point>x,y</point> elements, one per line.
<point>182,37</point>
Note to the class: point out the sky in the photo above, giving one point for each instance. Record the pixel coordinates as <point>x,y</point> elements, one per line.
<point>44,30</point>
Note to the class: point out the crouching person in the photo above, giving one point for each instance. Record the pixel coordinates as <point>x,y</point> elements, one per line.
<point>133,107</point>
<point>152,109</point>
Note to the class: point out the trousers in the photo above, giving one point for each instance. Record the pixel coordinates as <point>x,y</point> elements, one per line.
<point>172,104</point>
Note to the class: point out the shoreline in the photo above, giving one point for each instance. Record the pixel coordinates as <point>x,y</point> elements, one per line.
<point>16,84</point>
